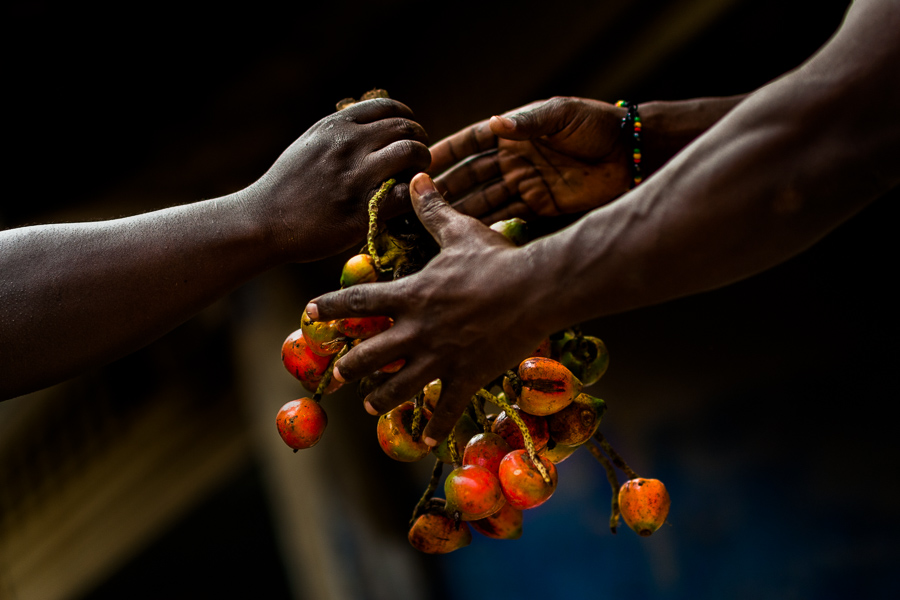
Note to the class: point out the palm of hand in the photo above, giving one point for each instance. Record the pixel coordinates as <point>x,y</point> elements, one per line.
<point>554,176</point>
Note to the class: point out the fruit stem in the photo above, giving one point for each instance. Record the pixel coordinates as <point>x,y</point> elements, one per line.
<point>616,458</point>
<point>478,409</point>
<point>326,377</point>
<point>451,446</point>
<point>523,428</point>
<point>418,404</point>
<point>429,491</point>
<point>374,202</point>
<point>613,483</point>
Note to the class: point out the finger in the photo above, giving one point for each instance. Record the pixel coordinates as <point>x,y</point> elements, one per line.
<point>396,157</point>
<point>486,200</point>
<point>450,407</point>
<point>369,111</point>
<point>471,173</point>
<point>467,142</point>
<point>371,299</point>
<point>369,356</point>
<point>403,386</point>
<point>445,225</point>
<point>386,131</point>
<point>536,120</point>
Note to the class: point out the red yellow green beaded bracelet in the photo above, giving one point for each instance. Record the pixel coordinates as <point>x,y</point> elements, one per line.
<point>632,122</point>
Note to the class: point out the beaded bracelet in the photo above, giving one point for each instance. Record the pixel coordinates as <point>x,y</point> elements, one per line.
<point>632,122</point>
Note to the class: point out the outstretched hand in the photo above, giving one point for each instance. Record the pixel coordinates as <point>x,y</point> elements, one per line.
<point>463,318</point>
<point>563,155</point>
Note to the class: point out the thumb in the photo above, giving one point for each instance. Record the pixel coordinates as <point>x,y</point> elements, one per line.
<point>445,224</point>
<point>536,120</point>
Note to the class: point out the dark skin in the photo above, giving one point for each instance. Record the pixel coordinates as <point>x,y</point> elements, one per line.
<point>101,290</point>
<point>560,156</point>
<point>759,186</point>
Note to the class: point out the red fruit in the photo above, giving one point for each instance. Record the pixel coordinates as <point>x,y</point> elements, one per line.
<point>474,492</point>
<point>505,524</point>
<point>301,423</point>
<point>576,423</point>
<point>506,428</point>
<point>395,436</point>
<point>363,327</point>
<point>644,504</point>
<point>522,483</point>
<point>486,450</point>
<point>301,361</point>
<point>547,386</point>
<point>322,337</point>
<point>359,269</point>
<point>436,533</point>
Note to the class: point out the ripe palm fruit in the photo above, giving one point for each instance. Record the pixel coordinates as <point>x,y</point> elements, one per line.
<point>464,430</point>
<point>486,450</point>
<point>522,483</point>
<point>395,435</point>
<point>586,357</point>
<point>432,393</point>
<point>547,386</point>
<point>301,423</point>
<point>576,423</point>
<point>362,328</point>
<point>506,428</point>
<point>359,269</point>
<point>644,504</point>
<point>301,361</point>
<point>505,524</point>
<point>323,337</point>
<point>474,492</point>
<point>438,533</point>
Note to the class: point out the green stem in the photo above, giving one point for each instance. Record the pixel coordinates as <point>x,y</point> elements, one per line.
<point>326,377</point>
<point>374,203</point>
<point>478,409</point>
<point>418,406</point>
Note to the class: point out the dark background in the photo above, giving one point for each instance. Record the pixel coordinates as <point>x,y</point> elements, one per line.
<point>764,405</point>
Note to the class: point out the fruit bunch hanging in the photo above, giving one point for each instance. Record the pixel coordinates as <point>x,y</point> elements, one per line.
<point>504,449</point>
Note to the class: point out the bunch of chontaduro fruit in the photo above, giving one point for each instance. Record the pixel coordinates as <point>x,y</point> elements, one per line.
<point>504,449</point>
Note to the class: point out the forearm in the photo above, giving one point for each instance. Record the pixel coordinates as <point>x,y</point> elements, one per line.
<point>73,296</point>
<point>669,126</point>
<point>781,170</point>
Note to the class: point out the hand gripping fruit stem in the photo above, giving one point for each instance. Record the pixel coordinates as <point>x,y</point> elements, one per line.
<point>526,435</point>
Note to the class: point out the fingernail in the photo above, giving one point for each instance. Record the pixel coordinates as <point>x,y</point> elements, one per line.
<point>370,410</point>
<point>336,373</point>
<point>505,122</point>
<point>312,311</point>
<point>430,442</point>
<point>422,184</point>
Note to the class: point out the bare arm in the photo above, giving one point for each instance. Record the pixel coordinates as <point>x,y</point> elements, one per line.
<point>78,295</point>
<point>776,174</point>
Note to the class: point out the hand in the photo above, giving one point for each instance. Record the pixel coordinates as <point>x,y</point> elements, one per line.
<point>314,198</point>
<point>464,318</point>
<point>559,156</point>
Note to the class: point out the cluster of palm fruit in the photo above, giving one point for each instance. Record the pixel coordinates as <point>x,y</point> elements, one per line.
<point>505,447</point>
